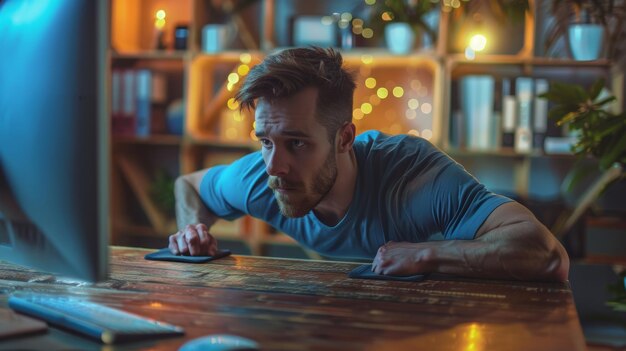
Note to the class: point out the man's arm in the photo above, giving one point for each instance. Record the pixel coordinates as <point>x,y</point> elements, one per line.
<point>193,218</point>
<point>511,244</point>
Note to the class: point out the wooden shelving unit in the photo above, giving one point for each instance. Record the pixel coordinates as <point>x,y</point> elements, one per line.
<point>215,132</point>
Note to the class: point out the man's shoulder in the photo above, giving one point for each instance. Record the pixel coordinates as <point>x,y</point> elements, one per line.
<point>375,140</point>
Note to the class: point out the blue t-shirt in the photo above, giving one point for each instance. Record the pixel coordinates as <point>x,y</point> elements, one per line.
<point>406,190</point>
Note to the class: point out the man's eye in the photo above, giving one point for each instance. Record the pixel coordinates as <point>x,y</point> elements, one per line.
<point>266,143</point>
<point>297,143</point>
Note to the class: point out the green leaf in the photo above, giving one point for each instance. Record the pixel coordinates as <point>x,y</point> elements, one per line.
<point>605,101</point>
<point>614,153</point>
<point>596,88</point>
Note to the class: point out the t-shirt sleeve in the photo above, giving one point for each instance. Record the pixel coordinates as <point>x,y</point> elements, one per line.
<point>460,203</point>
<point>225,189</point>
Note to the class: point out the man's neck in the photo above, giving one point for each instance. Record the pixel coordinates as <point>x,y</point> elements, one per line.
<point>336,203</point>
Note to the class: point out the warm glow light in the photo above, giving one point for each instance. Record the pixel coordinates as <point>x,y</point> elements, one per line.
<point>160,14</point>
<point>370,2</point>
<point>327,20</point>
<point>382,93</point>
<point>357,22</point>
<point>242,70</point>
<point>413,132</point>
<point>159,23</point>
<point>415,84</point>
<point>395,128</point>
<point>237,116</point>
<point>387,16</point>
<point>232,104</point>
<point>357,113</point>
<point>343,24</point>
<point>233,78</point>
<point>478,42</point>
<point>245,58</point>
<point>398,92</point>
<point>346,16</point>
<point>374,100</point>
<point>370,82</point>
<point>410,114</point>
<point>426,108</point>
<point>156,304</point>
<point>427,134</point>
<point>253,135</point>
<point>230,86</point>
<point>357,30</point>
<point>366,107</point>
<point>413,104</point>
<point>367,59</point>
<point>367,33</point>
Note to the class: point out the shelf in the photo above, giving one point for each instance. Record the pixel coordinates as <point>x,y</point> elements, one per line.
<point>172,140</point>
<point>458,59</point>
<point>151,55</point>
<point>220,143</point>
<point>505,152</point>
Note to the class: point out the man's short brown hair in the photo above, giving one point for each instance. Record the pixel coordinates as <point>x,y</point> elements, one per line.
<point>288,72</point>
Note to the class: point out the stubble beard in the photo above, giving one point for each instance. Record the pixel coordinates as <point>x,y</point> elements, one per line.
<point>306,199</point>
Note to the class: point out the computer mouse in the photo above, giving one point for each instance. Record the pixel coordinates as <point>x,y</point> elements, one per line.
<point>220,342</point>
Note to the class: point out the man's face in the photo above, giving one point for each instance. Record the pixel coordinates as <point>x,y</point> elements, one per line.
<point>299,158</point>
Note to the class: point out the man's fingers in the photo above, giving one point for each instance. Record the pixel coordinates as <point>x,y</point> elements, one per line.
<point>173,246</point>
<point>193,240</point>
<point>205,238</point>
<point>183,249</point>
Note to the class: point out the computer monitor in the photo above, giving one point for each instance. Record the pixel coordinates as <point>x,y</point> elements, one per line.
<point>54,135</point>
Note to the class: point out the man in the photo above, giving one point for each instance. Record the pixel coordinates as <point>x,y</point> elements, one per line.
<point>370,196</point>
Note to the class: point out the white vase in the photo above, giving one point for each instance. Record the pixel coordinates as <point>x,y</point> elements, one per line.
<point>399,38</point>
<point>585,40</point>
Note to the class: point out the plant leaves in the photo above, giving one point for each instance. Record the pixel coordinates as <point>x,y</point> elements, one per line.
<point>596,88</point>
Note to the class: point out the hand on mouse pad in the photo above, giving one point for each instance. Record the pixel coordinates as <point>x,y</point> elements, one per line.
<point>365,272</point>
<point>167,255</point>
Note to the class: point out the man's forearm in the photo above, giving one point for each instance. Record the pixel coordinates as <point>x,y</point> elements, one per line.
<point>189,206</point>
<point>523,250</point>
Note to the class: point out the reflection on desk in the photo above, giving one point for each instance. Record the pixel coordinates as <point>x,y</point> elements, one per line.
<point>286,304</point>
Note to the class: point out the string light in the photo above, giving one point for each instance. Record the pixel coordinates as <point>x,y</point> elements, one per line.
<point>398,92</point>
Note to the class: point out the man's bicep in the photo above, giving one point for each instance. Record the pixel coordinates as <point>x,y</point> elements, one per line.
<point>195,178</point>
<point>505,214</point>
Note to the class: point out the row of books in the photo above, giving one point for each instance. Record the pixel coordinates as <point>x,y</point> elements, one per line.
<point>138,102</point>
<point>489,114</point>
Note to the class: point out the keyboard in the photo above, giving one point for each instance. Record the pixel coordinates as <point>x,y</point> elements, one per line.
<point>97,321</point>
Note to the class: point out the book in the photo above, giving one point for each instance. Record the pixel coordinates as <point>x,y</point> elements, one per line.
<point>540,116</point>
<point>477,102</point>
<point>523,131</point>
<point>509,114</point>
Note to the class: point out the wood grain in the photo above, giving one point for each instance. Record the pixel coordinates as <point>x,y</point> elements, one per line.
<point>312,305</point>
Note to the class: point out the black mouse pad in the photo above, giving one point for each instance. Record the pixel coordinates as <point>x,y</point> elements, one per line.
<point>166,255</point>
<point>365,272</point>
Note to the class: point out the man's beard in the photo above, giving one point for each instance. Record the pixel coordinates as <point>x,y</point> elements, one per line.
<point>299,202</point>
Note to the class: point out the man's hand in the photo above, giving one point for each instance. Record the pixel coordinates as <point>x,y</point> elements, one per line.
<point>401,258</point>
<point>193,240</point>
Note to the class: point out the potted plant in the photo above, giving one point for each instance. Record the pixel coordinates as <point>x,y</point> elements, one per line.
<point>601,135</point>
<point>403,21</point>
<point>588,26</point>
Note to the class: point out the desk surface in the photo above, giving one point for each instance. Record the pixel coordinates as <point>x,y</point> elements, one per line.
<point>313,305</point>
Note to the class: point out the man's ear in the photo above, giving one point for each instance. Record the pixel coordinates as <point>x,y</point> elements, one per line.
<point>345,137</point>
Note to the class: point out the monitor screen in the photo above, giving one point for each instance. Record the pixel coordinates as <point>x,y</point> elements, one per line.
<point>54,135</point>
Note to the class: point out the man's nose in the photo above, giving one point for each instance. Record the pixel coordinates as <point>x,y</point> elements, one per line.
<point>277,163</point>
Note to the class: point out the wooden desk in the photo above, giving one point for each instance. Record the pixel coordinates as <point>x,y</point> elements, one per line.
<point>313,305</point>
